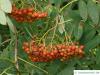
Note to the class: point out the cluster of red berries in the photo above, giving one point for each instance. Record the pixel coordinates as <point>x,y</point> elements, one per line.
<point>26,14</point>
<point>41,53</point>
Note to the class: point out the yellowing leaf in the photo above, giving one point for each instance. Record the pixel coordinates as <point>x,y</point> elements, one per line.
<point>6,6</point>
<point>61,26</point>
<point>2,18</point>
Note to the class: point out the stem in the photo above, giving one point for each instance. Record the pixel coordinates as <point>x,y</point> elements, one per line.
<point>33,65</point>
<point>14,37</point>
<point>54,31</point>
<point>16,52</point>
<point>46,34</point>
<point>68,39</point>
<point>28,32</point>
<point>67,5</point>
<point>66,21</point>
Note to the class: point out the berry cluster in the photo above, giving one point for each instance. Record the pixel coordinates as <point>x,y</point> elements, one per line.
<point>26,14</point>
<point>41,53</point>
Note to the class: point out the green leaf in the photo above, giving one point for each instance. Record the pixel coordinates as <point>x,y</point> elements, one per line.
<point>83,10</point>
<point>5,54</point>
<point>93,11</point>
<point>4,64</point>
<point>56,2</point>
<point>89,32</point>
<point>90,35</point>
<point>8,52</point>
<point>9,74</point>
<point>68,70</point>
<point>2,18</point>
<point>79,31</point>
<point>93,43</point>
<point>98,55</point>
<point>6,6</point>
<point>51,67</point>
<point>0,39</point>
<point>10,24</point>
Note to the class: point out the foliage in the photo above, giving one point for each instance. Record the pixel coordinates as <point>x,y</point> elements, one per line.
<point>67,21</point>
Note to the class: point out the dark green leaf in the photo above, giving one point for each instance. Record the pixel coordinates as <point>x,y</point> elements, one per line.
<point>4,64</point>
<point>93,11</point>
<point>68,70</point>
<point>90,35</point>
<point>9,74</point>
<point>56,2</point>
<point>78,31</point>
<point>83,10</point>
<point>98,55</point>
<point>0,39</point>
<point>93,43</point>
<point>5,54</point>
